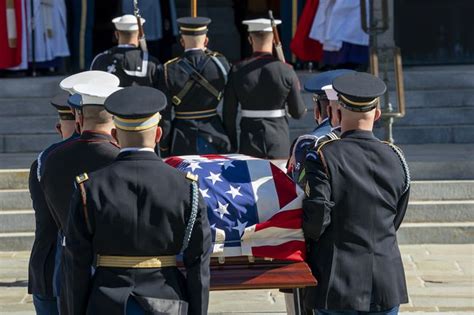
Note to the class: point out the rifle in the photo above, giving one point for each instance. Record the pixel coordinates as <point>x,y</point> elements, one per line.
<point>141,33</point>
<point>276,38</point>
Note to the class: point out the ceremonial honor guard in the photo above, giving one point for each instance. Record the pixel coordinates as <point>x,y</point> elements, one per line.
<point>357,195</point>
<point>42,259</point>
<point>263,86</point>
<point>194,84</point>
<point>94,149</point>
<point>132,228</point>
<point>128,61</point>
<point>326,116</point>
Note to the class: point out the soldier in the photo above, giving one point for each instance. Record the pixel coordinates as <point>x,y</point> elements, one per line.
<point>357,195</point>
<point>325,115</point>
<point>263,86</point>
<point>42,259</point>
<point>127,61</point>
<point>95,148</point>
<point>194,84</point>
<point>134,228</point>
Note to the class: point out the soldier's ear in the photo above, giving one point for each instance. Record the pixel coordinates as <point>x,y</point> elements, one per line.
<point>58,129</point>
<point>378,114</point>
<point>249,38</point>
<point>181,41</point>
<point>159,133</point>
<point>206,41</point>
<point>113,132</point>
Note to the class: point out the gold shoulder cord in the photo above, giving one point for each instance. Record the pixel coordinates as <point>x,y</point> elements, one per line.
<point>80,182</point>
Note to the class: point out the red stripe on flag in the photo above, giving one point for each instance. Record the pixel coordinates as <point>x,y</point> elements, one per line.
<point>285,187</point>
<point>215,157</point>
<point>174,161</point>
<point>291,219</point>
<point>293,250</point>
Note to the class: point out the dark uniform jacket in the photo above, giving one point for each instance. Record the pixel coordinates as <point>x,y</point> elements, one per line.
<point>358,192</point>
<point>196,128</point>
<point>41,265</point>
<point>262,82</point>
<point>130,64</point>
<point>89,152</point>
<point>129,214</point>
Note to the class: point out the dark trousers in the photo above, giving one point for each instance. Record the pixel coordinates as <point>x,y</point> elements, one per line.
<point>392,311</point>
<point>45,305</point>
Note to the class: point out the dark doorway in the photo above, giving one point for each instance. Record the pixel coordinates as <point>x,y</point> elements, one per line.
<point>435,31</point>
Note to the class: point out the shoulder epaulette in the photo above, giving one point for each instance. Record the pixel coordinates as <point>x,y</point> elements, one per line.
<point>82,178</point>
<point>321,144</point>
<point>405,167</point>
<point>192,177</point>
<point>171,61</point>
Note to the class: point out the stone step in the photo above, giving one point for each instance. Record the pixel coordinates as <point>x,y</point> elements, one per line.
<point>442,190</point>
<point>28,143</point>
<point>429,134</point>
<point>14,179</point>
<point>440,211</point>
<point>26,106</point>
<point>436,233</point>
<point>27,125</point>
<point>17,221</point>
<point>31,87</point>
<point>16,241</point>
<point>15,199</point>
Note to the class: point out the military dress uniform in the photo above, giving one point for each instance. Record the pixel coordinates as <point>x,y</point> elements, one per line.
<point>357,196</point>
<point>90,151</point>
<point>263,86</point>
<point>129,63</point>
<point>43,253</point>
<point>320,86</point>
<point>194,84</point>
<point>133,229</point>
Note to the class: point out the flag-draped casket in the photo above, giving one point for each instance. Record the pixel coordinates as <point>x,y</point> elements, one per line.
<point>254,208</point>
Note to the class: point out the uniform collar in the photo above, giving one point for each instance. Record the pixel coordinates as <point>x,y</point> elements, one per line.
<point>96,135</point>
<point>261,53</point>
<point>137,150</point>
<point>132,155</point>
<point>126,46</point>
<point>359,134</point>
<point>194,51</point>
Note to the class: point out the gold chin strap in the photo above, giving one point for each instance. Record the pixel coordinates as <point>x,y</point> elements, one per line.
<point>193,29</point>
<point>136,261</point>
<point>349,102</point>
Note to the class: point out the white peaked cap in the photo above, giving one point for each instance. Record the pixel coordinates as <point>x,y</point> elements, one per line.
<point>127,22</point>
<point>260,25</point>
<point>92,77</point>
<point>331,94</point>
<point>94,94</point>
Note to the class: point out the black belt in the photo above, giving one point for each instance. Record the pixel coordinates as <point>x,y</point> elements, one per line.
<point>196,115</point>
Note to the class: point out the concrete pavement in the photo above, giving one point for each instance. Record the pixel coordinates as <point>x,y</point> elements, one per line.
<point>440,279</point>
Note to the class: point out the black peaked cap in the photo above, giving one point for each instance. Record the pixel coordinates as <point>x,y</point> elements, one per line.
<point>135,102</point>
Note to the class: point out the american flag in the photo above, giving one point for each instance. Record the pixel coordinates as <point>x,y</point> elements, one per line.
<point>254,208</point>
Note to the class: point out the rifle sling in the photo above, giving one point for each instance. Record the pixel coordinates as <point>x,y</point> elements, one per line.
<point>194,77</point>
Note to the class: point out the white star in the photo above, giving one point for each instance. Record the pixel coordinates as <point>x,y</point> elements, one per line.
<point>193,166</point>
<point>227,164</point>
<point>204,193</point>
<point>214,178</point>
<point>222,209</point>
<point>240,227</point>
<point>234,191</point>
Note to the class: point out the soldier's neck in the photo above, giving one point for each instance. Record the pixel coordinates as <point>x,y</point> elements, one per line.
<point>128,43</point>
<point>99,128</point>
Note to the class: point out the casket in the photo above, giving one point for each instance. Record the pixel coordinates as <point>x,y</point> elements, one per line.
<point>255,213</point>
